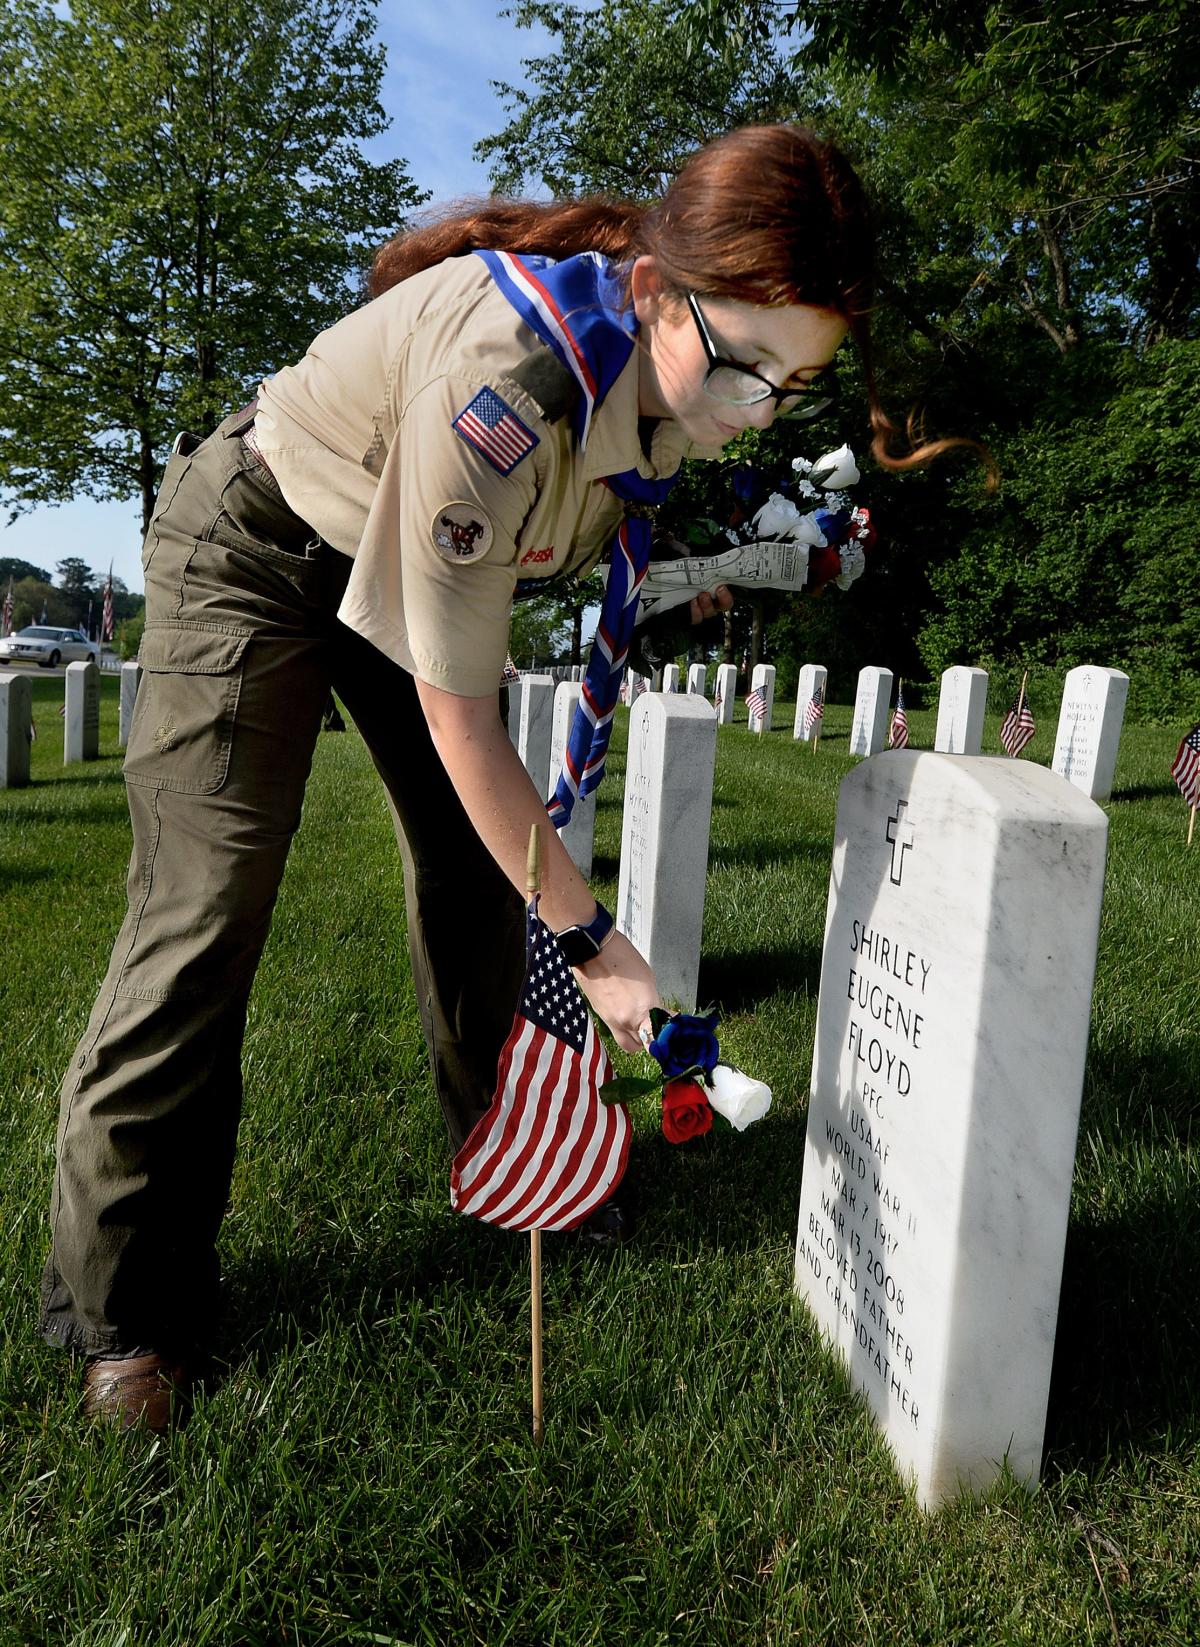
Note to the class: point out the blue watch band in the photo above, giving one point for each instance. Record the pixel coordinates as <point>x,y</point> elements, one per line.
<point>581,944</point>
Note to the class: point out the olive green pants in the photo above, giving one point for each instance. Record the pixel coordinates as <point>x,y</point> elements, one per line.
<point>242,646</point>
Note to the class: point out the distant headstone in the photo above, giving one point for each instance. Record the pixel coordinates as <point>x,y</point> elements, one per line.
<point>868,730</point>
<point>762,684</point>
<point>664,837</point>
<point>512,718</point>
<point>697,678</point>
<point>131,678</point>
<point>81,731</point>
<point>577,835</point>
<point>1089,729</point>
<point>16,717</point>
<point>670,677</point>
<point>814,678</point>
<point>961,706</point>
<point>577,672</point>
<point>534,728</point>
<point>725,693</point>
<point>952,1024</point>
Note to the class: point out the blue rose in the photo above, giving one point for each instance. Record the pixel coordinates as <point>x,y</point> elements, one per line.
<point>686,1042</point>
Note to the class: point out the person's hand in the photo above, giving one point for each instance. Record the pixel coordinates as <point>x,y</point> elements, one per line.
<point>620,989</point>
<point>706,606</point>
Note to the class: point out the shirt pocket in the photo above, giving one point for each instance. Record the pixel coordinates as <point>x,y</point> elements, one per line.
<point>184,721</point>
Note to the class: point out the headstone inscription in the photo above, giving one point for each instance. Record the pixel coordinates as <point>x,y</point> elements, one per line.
<point>131,679</point>
<point>670,677</point>
<point>814,677</point>
<point>697,678</point>
<point>952,1023</point>
<point>578,834</point>
<point>725,695</point>
<point>535,724</point>
<point>961,705</point>
<point>16,717</point>
<point>869,728</point>
<point>762,688</point>
<point>664,837</point>
<point>1089,729</point>
<point>81,730</point>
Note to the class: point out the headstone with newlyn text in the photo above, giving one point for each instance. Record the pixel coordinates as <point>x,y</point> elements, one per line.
<point>697,678</point>
<point>762,680</point>
<point>1089,729</point>
<point>535,723</point>
<point>81,729</point>
<point>670,677</point>
<point>577,835</point>
<point>952,1023</point>
<point>725,693</point>
<point>868,730</point>
<point>131,679</point>
<point>814,678</point>
<point>961,705</point>
<point>16,720</point>
<point>664,837</point>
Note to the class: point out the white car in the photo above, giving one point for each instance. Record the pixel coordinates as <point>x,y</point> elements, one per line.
<point>37,643</point>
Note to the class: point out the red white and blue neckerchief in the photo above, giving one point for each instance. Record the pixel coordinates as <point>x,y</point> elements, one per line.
<point>576,307</point>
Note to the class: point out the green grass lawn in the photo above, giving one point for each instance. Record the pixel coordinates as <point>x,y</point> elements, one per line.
<point>361,1469</point>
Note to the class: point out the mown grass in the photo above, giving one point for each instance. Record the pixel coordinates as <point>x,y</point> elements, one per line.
<point>360,1469</point>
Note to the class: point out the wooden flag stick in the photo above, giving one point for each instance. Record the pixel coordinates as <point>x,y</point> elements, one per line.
<point>533,876</point>
<point>1191,824</point>
<point>1021,699</point>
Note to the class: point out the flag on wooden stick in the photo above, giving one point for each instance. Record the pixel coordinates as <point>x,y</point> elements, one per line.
<point>1018,725</point>
<point>1185,769</point>
<point>814,714</point>
<point>106,623</point>
<point>898,734</point>
<point>756,708</point>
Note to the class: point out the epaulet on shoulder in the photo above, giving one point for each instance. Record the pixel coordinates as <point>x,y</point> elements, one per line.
<point>546,380</point>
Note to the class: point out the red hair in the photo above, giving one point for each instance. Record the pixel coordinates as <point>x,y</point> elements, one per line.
<point>768,215</point>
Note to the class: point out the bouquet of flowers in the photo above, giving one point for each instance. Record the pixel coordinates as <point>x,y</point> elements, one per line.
<point>695,1083</point>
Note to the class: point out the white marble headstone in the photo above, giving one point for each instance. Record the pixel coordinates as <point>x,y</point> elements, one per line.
<point>762,679</point>
<point>869,729</point>
<point>697,678</point>
<point>961,706</point>
<point>16,716</point>
<point>512,719</point>
<point>81,730</point>
<point>670,677</point>
<point>131,679</point>
<point>664,837</point>
<point>578,834</point>
<point>813,677</point>
<point>952,1025</point>
<point>725,693</point>
<point>1089,729</point>
<point>535,723</point>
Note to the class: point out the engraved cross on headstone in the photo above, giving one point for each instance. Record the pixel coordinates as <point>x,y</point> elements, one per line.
<point>899,833</point>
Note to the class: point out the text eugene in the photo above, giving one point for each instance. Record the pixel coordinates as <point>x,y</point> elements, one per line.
<point>885,1007</point>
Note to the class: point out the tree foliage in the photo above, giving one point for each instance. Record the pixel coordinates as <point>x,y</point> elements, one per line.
<point>184,204</point>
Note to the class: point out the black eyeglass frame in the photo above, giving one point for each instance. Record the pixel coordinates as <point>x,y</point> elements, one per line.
<point>821,397</point>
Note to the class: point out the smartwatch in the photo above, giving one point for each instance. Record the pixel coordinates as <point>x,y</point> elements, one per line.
<point>581,944</point>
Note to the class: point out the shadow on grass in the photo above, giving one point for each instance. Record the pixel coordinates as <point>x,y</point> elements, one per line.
<point>736,983</point>
<point>1144,792</point>
<point>767,854</point>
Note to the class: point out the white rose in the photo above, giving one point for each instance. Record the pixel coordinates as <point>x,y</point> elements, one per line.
<point>737,1097</point>
<point>777,518</point>
<point>836,470</point>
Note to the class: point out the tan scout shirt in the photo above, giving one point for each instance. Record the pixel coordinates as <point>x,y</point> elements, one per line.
<point>360,437</point>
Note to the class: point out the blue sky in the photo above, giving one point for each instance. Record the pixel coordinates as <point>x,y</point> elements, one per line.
<point>442,54</point>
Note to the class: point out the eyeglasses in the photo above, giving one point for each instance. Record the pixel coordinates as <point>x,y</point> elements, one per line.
<point>739,385</point>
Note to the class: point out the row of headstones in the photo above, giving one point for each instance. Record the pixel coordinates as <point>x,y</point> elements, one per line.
<point>81,718</point>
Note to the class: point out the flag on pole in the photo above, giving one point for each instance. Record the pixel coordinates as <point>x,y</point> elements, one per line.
<point>549,1151</point>
<point>106,623</point>
<point>814,714</point>
<point>1185,769</point>
<point>898,734</point>
<point>511,672</point>
<point>756,708</point>
<point>1018,726</point>
<point>8,610</point>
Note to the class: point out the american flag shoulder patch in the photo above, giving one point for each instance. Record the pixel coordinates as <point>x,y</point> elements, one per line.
<point>490,425</point>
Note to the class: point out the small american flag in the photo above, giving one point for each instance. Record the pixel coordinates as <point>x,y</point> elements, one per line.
<point>493,428</point>
<point>756,708</point>
<point>814,714</point>
<point>8,610</point>
<point>510,672</point>
<point>1017,727</point>
<point>1186,767</point>
<point>549,1151</point>
<point>106,623</point>
<point>898,735</point>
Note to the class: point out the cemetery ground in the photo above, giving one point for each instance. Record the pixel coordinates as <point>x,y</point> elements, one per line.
<point>361,1468</point>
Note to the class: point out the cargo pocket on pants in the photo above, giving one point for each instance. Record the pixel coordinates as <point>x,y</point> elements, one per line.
<point>183,724</point>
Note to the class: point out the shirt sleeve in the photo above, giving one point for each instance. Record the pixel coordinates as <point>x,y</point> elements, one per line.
<point>433,578</point>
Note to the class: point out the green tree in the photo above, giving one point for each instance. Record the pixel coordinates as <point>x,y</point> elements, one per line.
<point>184,205</point>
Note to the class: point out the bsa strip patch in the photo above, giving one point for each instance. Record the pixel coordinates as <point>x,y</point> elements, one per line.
<point>491,426</point>
<point>461,533</point>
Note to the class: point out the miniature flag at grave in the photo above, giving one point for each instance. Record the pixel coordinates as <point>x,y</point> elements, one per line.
<point>549,1151</point>
<point>106,622</point>
<point>1185,769</point>
<point>814,714</point>
<point>898,734</point>
<point>756,707</point>
<point>1018,725</point>
<point>8,610</point>
<point>510,673</point>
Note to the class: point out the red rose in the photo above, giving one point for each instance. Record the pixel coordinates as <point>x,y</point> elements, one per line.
<point>686,1111</point>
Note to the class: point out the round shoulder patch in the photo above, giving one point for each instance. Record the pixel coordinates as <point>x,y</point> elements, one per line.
<point>461,532</point>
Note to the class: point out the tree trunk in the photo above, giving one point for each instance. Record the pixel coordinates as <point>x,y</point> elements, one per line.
<point>147,477</point>
<point>577,635</point>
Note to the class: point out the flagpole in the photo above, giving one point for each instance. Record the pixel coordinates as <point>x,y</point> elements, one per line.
<point>533,876</point>
<point>1021,699</point>
<point>1191,822</point>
